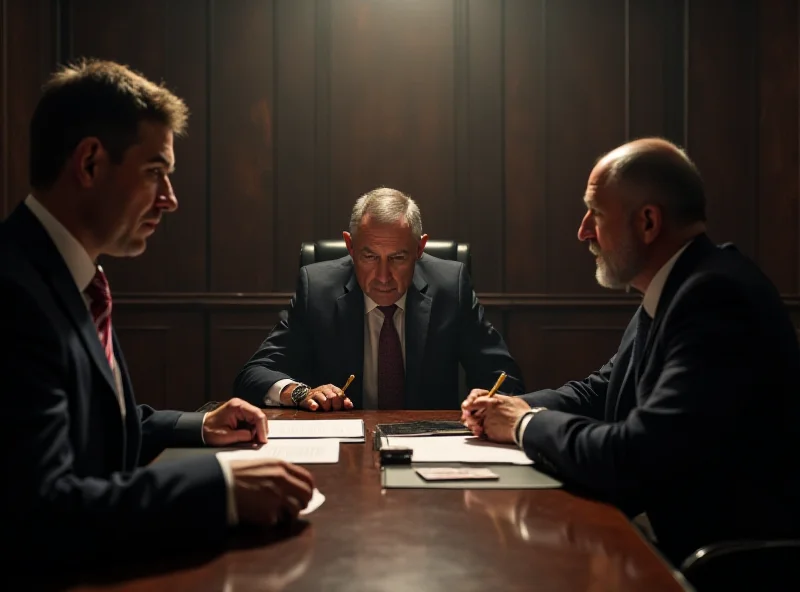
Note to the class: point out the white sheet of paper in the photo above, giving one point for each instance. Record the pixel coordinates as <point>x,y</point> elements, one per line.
<point>317,499</point>
<point>318,451</point>
<point>347,430</point>
<point>466,449</point>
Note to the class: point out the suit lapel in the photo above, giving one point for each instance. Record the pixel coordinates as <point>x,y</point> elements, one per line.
<point>686,263</point>
<point>132,423</point>
<point>418,315</point>
<point>616,394</point>
<point>350,338</point>
<point>45,256</point>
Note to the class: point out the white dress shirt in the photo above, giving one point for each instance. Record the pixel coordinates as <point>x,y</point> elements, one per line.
<point>372,331</point>
<point>80,266</point>
<point>650,304</point>
<point>82,269</point>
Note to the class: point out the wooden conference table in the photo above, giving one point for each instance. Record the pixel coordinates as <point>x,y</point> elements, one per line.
<point>365,538</point>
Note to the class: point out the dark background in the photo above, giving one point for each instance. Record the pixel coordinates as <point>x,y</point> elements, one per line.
<point>489,113</point>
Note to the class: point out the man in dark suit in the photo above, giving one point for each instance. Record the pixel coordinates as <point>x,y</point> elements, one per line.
<point>694,419</point>
<point>399,320</point>
<point>74,442</point>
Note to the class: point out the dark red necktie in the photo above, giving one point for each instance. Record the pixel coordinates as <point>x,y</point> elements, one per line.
<point>391,373</point>
<point>100,306</point>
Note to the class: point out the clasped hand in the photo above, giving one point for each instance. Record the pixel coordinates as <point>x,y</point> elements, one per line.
<point>492,417</point>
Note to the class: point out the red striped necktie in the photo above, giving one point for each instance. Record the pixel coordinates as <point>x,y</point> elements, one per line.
<point>100,295</point>
<point>391,371</point>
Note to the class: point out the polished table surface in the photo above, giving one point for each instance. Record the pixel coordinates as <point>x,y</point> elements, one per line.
<point>366,538</point>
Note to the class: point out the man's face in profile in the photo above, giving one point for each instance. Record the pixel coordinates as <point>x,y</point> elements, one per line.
<point>384,256</point>
<point>608,227</point>
<point>131,197</point>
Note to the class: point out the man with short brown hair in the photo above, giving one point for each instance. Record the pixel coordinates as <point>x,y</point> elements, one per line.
<point>75,444</point>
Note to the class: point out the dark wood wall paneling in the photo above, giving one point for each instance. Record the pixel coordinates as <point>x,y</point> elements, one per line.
<point>490,114</point>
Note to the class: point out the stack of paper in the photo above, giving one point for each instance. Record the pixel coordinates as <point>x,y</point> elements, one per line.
<point>464,449</point>
<point>320,451</point>
<point>343,430</point>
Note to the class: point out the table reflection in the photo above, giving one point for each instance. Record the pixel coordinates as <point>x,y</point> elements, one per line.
<point>520,518</point>
<point>247,570</point>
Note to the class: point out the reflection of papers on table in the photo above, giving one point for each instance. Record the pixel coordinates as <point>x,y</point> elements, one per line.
<point>346,430</point>
<point>315,502</point>
<point>319,451</point>
<point>466,449</point>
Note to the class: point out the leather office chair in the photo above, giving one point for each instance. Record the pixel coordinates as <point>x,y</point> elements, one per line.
<point>327,250</point>
<point>745,565</point>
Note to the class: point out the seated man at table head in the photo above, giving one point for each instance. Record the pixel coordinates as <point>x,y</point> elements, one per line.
<point>694,418</point>
<point>399,320</point>
<point>75,442</point>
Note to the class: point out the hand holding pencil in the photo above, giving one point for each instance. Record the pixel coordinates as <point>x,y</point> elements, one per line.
<point>327,397</point>
<point>471,415</point>
<point>497,384</point>
<point>491,415</point>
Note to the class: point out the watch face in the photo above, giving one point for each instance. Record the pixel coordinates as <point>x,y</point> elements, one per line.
<point>299,394</point>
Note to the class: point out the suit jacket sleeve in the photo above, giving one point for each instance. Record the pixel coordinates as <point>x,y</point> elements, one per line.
<point>683,422</point>
<point>55,508</point>
<point>285,353</point>
<point>482,351</point>
<point>581,397</point>
<point>162,429</point>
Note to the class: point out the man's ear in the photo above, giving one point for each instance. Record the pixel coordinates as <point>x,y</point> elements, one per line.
<point>348,240</point>
<point>421,246</point>
<point>87,160</point>
<point>651,223</point>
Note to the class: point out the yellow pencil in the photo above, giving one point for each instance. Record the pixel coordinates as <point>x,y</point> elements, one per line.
<point>346,384</point>
<point>497,384</point>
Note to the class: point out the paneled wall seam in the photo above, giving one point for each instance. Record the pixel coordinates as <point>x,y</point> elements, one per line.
<point>6,160</point>
<point>543,145</point>
<point>208,346</point>
<point>686,64</point>
<point>627,59</point>
<point>275,134</point>
<point>209,128</point>
<point>322,133</point>
<point>503,200</point>
<point>755,119</point>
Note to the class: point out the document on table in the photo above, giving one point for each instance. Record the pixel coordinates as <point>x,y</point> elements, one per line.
<point>318,451</point>
<point>344,430</point>
<point>315,502</point>
<point>465,449</point>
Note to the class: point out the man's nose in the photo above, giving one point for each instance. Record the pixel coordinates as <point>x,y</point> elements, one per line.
<point>167,200</point>
<point>586,229</point>
<point>383,275</point>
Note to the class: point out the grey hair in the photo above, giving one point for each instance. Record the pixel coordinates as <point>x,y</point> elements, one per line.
<point>386,206</point>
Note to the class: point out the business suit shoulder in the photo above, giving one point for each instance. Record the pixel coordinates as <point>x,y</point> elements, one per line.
<point>443,270</point>
<point>444,278</point>
<point>326,277</point>
<point>729,275</point>
<point>25,296</point>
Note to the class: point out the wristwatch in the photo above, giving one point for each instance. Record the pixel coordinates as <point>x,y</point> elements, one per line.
<point>300,394</point>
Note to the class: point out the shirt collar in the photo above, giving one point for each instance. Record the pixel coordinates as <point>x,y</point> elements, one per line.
<point>75,256</point>
<point>370,305</point>
<point>653,293</point>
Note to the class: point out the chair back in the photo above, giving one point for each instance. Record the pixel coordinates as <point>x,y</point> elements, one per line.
<point>763,565</point>
<point>328,250</point>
